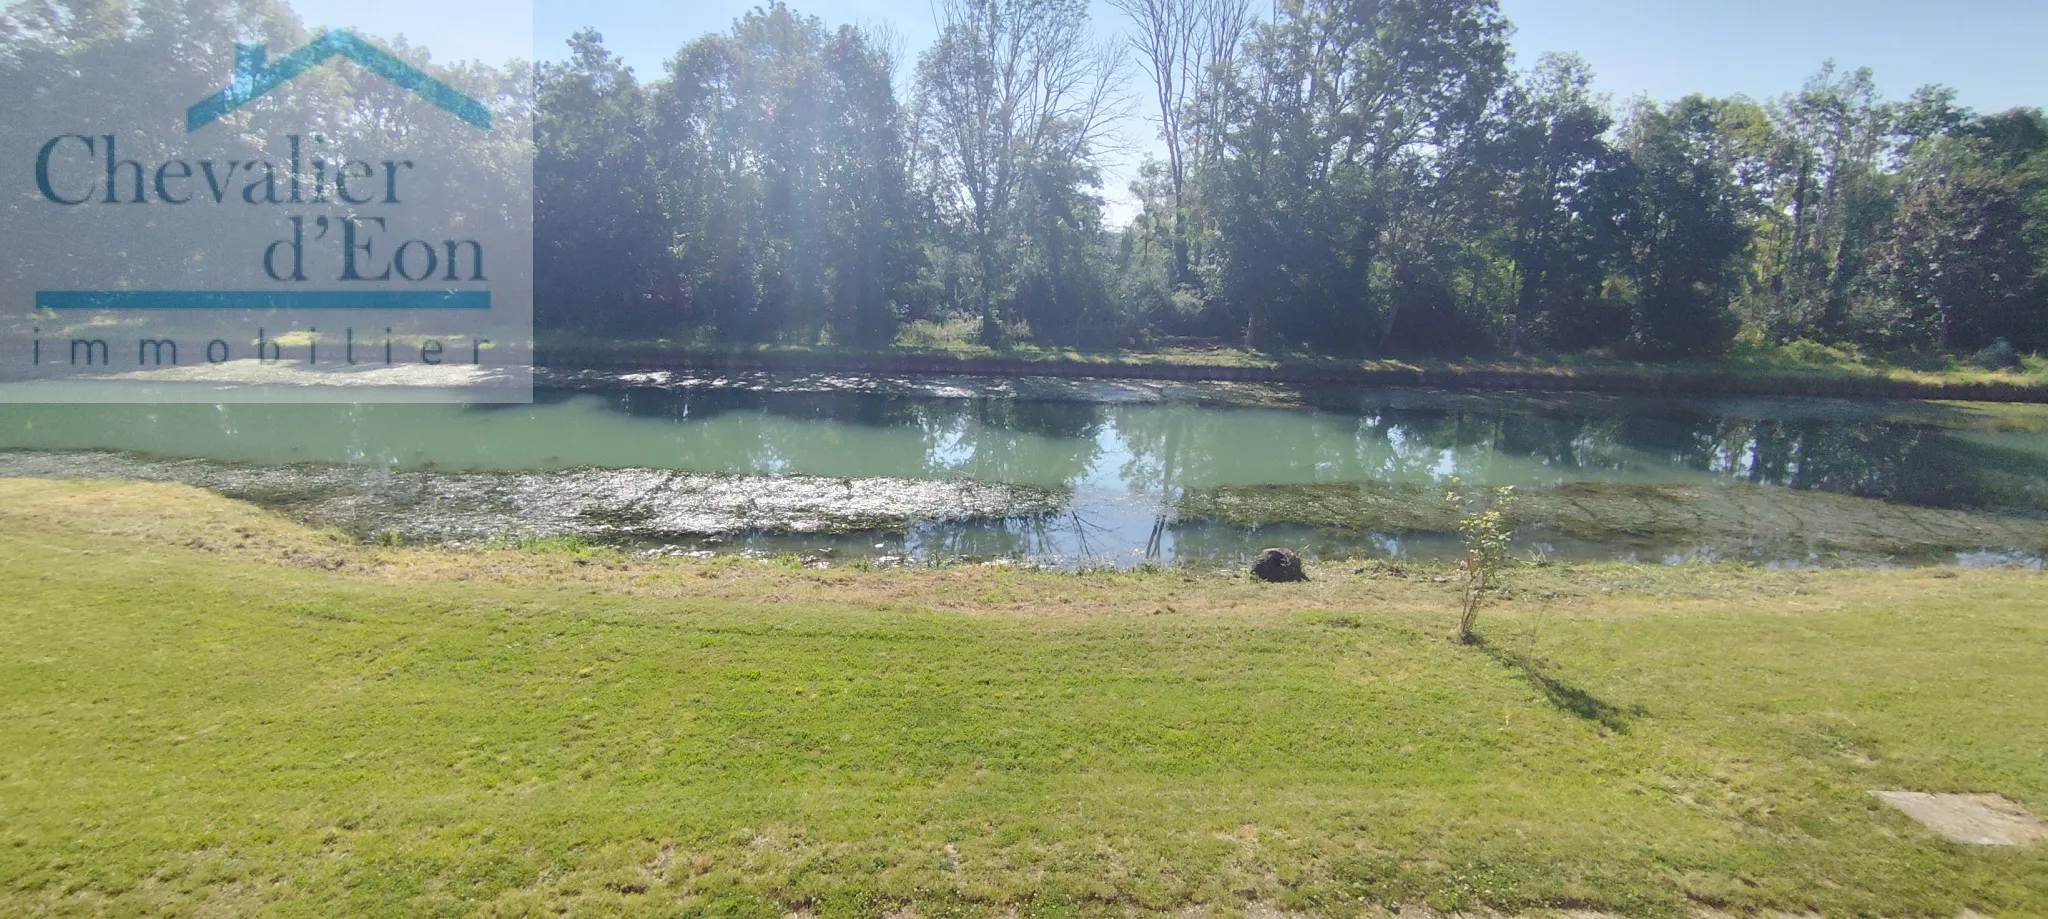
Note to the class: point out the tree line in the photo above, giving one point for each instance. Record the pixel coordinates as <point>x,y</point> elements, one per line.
<point>1342,177</point>
<point>1347,177</point>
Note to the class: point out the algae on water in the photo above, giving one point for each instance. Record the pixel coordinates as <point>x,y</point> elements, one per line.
<point>615,504</point>
<point>1739,521</point>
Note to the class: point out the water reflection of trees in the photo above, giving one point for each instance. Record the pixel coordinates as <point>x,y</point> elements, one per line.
<point>1166,448</point>
<point>1898,462</point>
<point>1062,535</point>
<point>986,438</point>
<point>1153,450</point>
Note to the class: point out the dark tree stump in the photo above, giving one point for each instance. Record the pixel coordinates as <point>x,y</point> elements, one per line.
<point>1279,566</point>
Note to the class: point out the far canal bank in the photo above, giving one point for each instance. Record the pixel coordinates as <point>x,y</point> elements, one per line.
<point>1627,379</point>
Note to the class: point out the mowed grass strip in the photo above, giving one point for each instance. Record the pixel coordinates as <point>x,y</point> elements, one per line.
<point>206,710</point>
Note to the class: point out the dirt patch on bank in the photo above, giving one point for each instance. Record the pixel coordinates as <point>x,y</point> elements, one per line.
<point>1978,820</point>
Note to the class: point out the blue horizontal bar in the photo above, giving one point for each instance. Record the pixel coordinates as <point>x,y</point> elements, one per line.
<point>263,299</point>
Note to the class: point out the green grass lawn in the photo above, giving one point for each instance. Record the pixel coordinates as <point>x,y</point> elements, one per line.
<point>210,711</point>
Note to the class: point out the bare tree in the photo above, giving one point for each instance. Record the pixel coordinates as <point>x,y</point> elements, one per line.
<point>1180,43</point>
<point>889,43</point>
<point>1008,84</point>
<point>1225,25</point>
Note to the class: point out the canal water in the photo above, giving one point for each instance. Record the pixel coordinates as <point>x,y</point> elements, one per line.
<point>1084,473</point>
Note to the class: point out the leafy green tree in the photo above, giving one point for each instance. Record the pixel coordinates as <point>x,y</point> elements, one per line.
<point>1960,260</point>
<point>1838,128</point>
<point>1563,191</point>
<point>1339,121</point>
<point>1062,260</point>
<point>1964,257</point>
<point>783,177</point>
<point>1685,228</point>
<point>601,256</point>
<point>876,226</point>
<point>1928,116</point>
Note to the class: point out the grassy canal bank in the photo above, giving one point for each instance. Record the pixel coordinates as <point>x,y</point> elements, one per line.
<point>211,710</point>
<point>1811,370</point>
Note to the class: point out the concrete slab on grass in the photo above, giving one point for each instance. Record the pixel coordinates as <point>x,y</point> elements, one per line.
<point>1978,820</point>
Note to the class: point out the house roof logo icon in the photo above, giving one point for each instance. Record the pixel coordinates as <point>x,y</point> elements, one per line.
<point>256,75</point>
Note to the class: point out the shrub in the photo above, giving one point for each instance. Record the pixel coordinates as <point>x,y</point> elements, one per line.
<point>1485,525</point>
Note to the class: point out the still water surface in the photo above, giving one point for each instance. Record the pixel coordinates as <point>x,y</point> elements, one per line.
<point>1134,472</point>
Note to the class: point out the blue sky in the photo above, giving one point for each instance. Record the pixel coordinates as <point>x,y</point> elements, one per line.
<point>1989,50</point>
